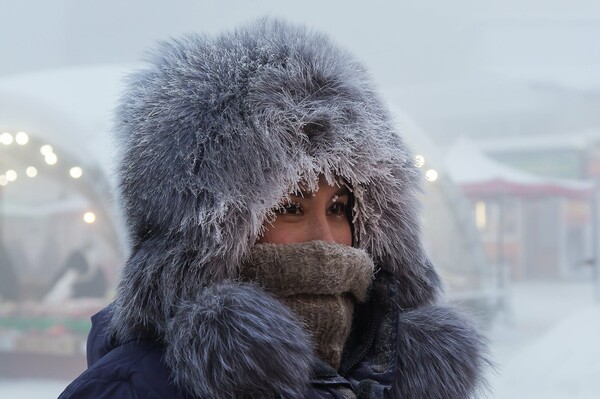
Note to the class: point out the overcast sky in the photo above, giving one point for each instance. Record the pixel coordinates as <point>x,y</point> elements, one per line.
<point>419,40</point>
<point>436,55</point>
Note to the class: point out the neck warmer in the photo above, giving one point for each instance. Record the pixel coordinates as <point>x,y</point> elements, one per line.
<point>320,282</point>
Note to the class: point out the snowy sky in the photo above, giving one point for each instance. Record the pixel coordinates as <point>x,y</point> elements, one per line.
<point>402,41</point>
<point>447,63</point>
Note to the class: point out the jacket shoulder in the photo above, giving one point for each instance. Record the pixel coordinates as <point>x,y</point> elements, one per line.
<point>134,370</point>
<point>88,387</point>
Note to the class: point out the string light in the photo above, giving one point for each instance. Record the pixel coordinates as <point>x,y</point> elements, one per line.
<point>89,217</point>
<point>46,149</point>
<point>51,158</point>
<point>6,138</point>
<point>11,175</point>
<point>431,175</point>
<point>76,172</point>
<point>22,138</point>
<point>31,171</point>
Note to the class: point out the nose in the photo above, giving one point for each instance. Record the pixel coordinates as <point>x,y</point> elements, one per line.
<point>320,229</point>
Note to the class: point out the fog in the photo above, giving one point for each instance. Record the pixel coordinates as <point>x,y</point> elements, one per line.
<point>500,100</point>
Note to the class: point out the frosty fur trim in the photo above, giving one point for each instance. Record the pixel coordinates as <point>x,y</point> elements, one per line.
<point>235,341</point>
<point>440,356</point>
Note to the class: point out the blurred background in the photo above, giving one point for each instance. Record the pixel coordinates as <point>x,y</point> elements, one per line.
<point>500,100</point>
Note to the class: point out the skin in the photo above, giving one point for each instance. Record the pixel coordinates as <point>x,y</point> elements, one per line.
<point>311,216</point>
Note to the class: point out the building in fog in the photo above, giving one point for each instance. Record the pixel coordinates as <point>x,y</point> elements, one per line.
<point>532,226</point>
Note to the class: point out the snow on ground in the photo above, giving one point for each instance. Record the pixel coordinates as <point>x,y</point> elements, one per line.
<point>547,346</point>
<point>564,363</point>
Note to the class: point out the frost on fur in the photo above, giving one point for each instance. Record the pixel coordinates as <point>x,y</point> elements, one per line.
<point>235,341</point>
<point>441,356</point>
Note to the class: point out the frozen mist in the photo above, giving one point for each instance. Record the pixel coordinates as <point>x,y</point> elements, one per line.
<point>547,345</point>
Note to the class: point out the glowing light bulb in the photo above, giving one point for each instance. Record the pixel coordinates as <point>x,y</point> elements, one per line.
<point>431,175</point>
<point>480,215</point>
<point>3,181</point>
<point>46,149</point>
<point>11,175</point>
<point>22,138</point>
<point>6,138</point>
<point>76,172</point>
<point>51,158</point>
<point>31,171</point>
<point>89,217</point>
<point>419,161</point>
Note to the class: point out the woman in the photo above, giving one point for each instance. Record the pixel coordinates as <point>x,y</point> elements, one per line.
<point>275,237</point>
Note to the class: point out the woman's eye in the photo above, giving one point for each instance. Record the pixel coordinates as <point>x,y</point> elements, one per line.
<point>338,209</point>
<point>292,208</point>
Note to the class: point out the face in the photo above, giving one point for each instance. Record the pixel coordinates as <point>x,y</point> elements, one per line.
<point>311,216</point>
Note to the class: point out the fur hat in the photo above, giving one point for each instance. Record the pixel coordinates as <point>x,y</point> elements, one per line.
<point>216,130</point>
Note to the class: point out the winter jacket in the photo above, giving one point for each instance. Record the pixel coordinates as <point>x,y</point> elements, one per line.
<point>214,133</point>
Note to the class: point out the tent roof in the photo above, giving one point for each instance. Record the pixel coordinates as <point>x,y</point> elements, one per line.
<point>478,174</point>
<point>70,108</point>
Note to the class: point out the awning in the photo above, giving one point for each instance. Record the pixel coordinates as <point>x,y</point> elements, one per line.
<point>479,175</point>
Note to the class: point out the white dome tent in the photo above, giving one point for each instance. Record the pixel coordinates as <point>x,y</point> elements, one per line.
<point>507,202</point>
<point>61,237</point>
<point>61,167</point>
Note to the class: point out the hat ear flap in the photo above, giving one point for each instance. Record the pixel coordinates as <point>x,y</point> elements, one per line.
<point>139,294</point>
<point>436,335</point>
<point>420,283</point>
